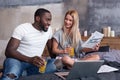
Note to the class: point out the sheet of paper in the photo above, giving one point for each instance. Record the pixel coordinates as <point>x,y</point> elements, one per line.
<point>106,68</point>
<point>94,39</point>
<point>62,74</point>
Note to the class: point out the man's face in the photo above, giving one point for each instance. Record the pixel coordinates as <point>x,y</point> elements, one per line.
<point>45,21</point>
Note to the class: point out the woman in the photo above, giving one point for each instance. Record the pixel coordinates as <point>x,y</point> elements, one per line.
<point>69,37</point>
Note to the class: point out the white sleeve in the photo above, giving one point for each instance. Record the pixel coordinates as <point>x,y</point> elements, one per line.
<point>18,32</point>
<point>50,33</point>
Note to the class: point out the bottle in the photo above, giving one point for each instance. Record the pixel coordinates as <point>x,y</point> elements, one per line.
<point>85,33</point>
<point>112,33</point>
<point>109,31</point>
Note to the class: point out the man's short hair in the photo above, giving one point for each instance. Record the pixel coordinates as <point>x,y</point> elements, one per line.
<point>40,12</point>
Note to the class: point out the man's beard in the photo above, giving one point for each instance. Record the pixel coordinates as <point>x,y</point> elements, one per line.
<point>43,28</point>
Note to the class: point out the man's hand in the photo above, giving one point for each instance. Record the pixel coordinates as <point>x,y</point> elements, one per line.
<point>37,61</point>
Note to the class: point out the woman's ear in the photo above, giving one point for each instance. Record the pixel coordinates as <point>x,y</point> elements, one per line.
<point>37,18</point>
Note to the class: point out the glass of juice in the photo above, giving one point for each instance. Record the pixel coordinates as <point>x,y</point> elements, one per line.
<point>43,67</point>
<point>71,52</point>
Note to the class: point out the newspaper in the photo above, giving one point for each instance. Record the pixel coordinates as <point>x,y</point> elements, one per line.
<point>94,39</point>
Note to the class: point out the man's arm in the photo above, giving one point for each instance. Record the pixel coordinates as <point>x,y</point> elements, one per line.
<point>11,52</point>
<point>49,46</point>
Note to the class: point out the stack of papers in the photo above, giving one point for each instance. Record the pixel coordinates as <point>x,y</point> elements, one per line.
<point>62,74</point>
<point>106,68</point>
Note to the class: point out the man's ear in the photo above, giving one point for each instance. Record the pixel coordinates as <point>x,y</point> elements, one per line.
<point>37,18</point>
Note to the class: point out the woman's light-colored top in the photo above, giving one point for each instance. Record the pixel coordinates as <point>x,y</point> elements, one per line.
<point>58,36</point>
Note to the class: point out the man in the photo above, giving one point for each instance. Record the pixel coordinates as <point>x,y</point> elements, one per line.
<point>26,46</point>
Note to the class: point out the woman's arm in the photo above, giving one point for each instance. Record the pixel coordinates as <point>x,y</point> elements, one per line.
<point>55,48</point>
<point>96,48</point>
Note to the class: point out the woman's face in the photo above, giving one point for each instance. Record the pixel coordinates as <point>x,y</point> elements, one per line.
<point>68,22</point>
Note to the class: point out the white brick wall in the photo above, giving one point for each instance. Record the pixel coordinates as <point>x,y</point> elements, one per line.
<point>3,44</point>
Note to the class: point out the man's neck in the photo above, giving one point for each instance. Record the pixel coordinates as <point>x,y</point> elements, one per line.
<point>36,26</point>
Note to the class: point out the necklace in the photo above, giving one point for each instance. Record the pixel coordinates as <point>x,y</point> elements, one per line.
<point>68,41</point>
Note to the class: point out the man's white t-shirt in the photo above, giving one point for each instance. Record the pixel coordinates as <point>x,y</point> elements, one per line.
<point>32,41</point>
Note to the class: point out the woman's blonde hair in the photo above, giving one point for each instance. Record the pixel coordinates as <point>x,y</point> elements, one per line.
<point>74,32</point>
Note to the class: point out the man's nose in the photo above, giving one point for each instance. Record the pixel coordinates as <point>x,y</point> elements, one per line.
<point>49,23</point>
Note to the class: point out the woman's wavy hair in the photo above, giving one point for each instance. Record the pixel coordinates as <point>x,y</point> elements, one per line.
<point>74,32</point>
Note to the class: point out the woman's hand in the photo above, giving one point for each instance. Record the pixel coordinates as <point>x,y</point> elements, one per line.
<point>66,50</point>
<point>96,48</point>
